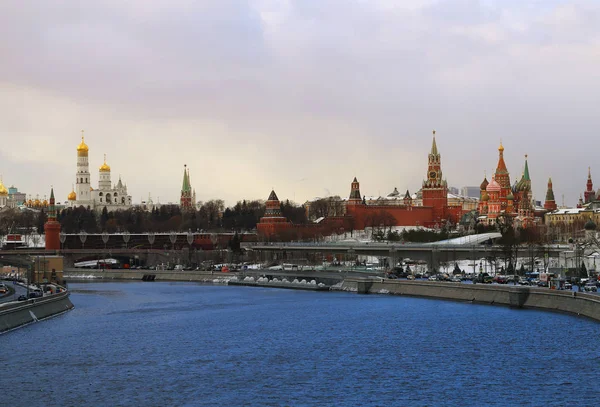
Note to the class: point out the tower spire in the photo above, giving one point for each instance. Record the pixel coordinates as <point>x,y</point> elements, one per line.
<point>434,149</point>
<point>550,203</point>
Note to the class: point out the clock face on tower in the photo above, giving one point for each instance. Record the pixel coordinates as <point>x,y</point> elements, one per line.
<point>432,174</point>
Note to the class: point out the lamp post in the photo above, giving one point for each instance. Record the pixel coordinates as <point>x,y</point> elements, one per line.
<point>351,253</point>
<point>126,237</point>
<point>173,239</point>
<point>62,237</point>
<point>151,238</point>
<point>190,240</point>
<point>82,238</point>
<point>105,239</point>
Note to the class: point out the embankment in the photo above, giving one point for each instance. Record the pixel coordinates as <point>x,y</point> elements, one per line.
<point>15,314</point>
<point>514,296</point>
<point>200,276</point>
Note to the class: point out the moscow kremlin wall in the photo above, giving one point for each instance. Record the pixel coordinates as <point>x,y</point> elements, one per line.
<point>434,211</point>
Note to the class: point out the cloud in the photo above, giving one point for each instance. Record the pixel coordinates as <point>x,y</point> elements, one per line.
<point>260,94</point>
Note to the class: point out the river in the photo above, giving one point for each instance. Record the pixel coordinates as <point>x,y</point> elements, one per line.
<point>186,344</point>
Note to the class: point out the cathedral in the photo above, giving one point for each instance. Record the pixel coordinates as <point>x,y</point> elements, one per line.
<point>499,199</point>
<point>110,196</point>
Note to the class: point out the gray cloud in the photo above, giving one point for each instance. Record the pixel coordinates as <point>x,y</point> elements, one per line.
<point>260,94</point>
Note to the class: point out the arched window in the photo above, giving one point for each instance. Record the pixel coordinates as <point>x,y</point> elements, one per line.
<point>123,200</point>
<point>100,194</point>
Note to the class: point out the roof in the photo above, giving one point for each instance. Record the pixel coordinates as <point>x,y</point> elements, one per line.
<point>273,196</point>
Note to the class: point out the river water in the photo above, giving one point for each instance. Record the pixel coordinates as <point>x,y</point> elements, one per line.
<point>185,344</point>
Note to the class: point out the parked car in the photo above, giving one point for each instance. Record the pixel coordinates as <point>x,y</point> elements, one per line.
<point>21,298</point>
<point>590,287</point>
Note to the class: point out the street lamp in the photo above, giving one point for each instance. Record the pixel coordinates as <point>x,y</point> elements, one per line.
<point>62,237</point>
<point>173,239</point>
<point>126,237</point>
<point>82,238</point>
<point>351,253</point>
<point>105,239</point>
<point>151,237</point>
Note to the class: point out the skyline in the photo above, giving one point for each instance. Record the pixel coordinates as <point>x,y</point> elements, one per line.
<point>300,96</point>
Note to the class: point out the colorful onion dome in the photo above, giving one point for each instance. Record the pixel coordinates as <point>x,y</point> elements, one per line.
<point>3,190</point>
<point>484,184</point>
<point>493,186</point>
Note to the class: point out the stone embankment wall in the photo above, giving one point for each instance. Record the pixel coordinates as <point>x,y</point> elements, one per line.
<point>514,296</point>
<point>15,314</point>
<point>200,276</point>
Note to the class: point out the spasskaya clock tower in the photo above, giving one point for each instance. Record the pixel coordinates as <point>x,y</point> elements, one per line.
<point>435,188</point>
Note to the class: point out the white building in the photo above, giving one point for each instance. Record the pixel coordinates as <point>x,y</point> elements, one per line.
<point>111,197</point>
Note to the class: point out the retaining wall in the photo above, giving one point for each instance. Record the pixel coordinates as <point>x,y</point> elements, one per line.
<point>15,314</point>
<point>514,296</point>
<point>202,276</point>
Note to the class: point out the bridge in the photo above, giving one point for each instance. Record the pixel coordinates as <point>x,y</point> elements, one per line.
<point>433,254</point>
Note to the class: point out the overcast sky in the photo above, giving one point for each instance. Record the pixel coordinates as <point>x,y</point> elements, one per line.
<point>298,95</point>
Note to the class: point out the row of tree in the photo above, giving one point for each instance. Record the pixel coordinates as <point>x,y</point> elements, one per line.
<point>209,216</point>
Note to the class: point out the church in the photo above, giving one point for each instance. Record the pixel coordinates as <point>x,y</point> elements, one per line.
<point>107,195</point>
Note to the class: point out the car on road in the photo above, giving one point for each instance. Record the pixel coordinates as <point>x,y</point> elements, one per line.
<point>21,298</point>
<point>590,287</point>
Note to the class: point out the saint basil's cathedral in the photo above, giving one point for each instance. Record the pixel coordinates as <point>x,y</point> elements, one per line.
<point>499,199</point>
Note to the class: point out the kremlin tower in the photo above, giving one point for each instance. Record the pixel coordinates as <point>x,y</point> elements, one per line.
<point>52,227</point>
<point>185,201</point>
<point>589,195</point>
<point>273,222</point>
<point>435,189</point>
<point>355,198</point>
<point>550,203</point>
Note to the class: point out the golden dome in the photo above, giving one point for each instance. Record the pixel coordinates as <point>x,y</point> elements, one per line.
<point>3,190</point>
<point>501,148</point>
<point>72,196</point>
<point>45,202</point>
<point>105,167</point>
<point>82,148</point>
<point>37,203</point>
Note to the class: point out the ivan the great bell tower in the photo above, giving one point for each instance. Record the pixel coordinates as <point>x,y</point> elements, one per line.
<point>435,189</point>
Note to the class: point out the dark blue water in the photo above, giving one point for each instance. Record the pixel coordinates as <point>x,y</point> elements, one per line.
<point>182,344</point>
